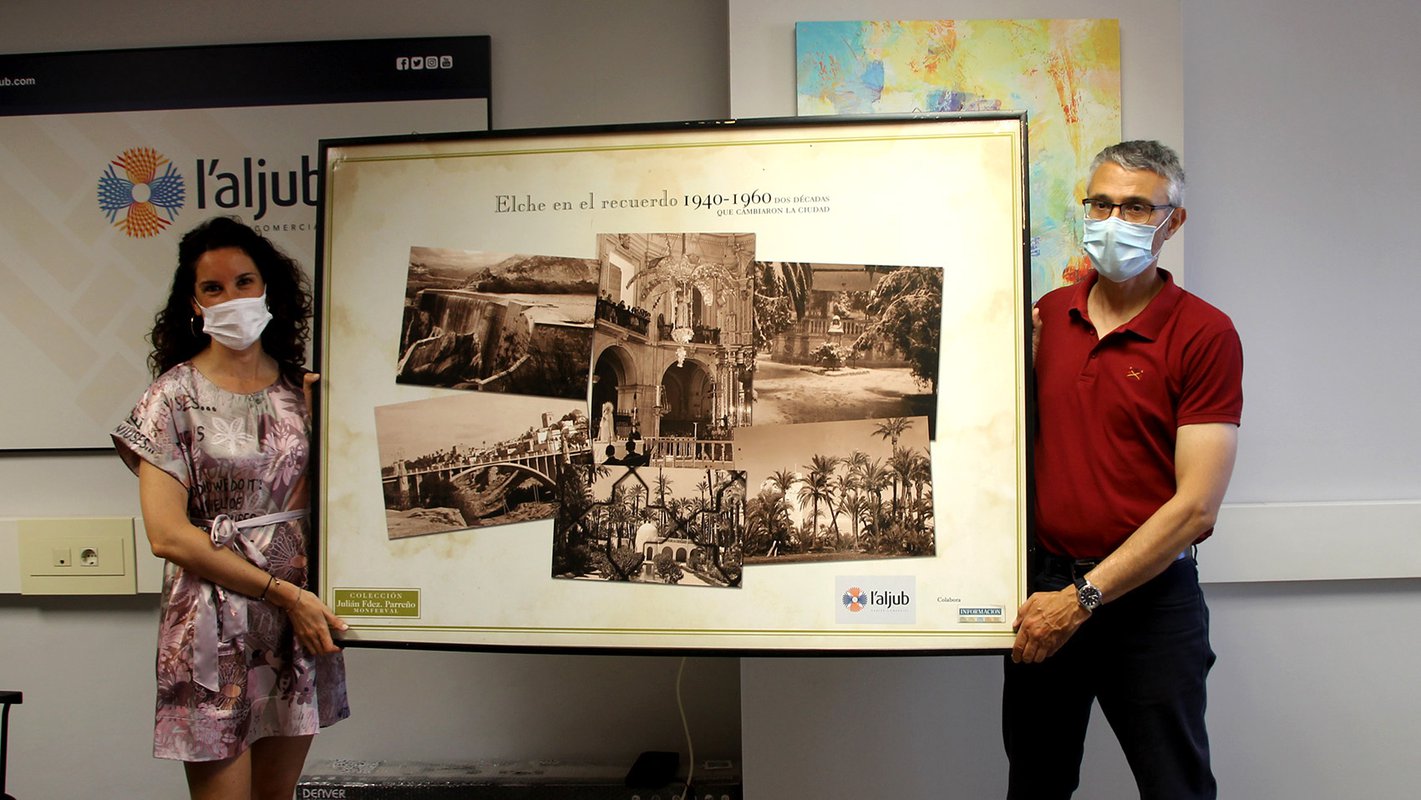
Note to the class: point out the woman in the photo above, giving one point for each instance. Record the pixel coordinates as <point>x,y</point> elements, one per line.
<point>247,668</point>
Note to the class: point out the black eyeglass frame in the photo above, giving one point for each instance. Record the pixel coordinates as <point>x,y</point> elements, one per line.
<point>1090,202</point>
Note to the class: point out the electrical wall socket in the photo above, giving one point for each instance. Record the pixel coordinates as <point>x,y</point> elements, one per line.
<point>77,555</point>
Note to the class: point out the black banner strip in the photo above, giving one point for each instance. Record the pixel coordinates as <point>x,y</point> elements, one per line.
<point>220,76</point>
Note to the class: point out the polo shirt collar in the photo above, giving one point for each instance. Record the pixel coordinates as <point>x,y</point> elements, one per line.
<point>1148,323</point>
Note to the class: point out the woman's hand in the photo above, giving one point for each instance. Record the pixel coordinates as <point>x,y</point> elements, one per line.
<point>311,620</point>
<point>308,388</point>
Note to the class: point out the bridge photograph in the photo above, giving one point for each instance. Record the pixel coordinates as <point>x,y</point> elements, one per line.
<point>470,461</point>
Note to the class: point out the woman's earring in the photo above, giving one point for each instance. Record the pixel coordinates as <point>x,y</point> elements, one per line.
<point>192,325</point>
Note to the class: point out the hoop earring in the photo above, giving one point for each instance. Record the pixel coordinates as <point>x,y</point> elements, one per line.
<point>192,326</point>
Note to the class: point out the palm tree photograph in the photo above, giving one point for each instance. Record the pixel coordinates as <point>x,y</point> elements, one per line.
<point>837,491</point>
<point>671,526</point>
<point>845,341</point>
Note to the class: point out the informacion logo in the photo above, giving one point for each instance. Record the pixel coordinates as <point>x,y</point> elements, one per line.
<point>975,614</point>
<point>890,599</point>
<point>404,63</point>
<point>146,197</point>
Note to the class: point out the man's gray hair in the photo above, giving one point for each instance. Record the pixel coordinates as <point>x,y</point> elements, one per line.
<point>1146,154</point>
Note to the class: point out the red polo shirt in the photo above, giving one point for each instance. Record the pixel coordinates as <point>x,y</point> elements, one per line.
<point>1108,410</point>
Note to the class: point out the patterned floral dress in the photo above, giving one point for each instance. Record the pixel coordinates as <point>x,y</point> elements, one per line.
<point>230,670</point>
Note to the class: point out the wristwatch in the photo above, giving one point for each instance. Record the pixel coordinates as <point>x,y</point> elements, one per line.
<point>1087,595</point>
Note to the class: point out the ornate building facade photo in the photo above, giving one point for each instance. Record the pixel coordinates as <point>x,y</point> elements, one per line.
<point>673,346</point>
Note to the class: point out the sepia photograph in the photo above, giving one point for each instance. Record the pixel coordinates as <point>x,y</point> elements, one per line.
<point>673,350</point>
<point>498,322</point>
<point>673,526</point>
<point>470,461</point>
<point>837,491</point>
<point>844,341</point>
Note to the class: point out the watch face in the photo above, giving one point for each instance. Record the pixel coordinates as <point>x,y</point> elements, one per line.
<point>1088,596</point>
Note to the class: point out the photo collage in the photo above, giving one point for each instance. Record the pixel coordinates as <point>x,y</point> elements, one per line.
<point>678,409</point>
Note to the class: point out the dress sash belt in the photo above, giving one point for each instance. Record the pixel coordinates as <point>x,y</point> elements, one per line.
<point>211,625</point>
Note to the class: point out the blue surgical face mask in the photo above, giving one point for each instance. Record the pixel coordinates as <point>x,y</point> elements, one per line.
<point>1120,250</point>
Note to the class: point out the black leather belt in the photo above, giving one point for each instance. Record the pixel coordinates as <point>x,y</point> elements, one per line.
<point>1078,567</point>
<point>1065,565</point>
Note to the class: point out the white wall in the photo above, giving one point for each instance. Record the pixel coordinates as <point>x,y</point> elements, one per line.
<point>85,665</point>
<point>1301,120</point>
<point>1283,108</point>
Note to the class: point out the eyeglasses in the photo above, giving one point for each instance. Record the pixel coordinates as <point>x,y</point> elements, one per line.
<point>1132,211</point>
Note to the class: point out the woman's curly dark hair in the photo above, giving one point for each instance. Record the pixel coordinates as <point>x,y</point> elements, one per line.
<point>177,336</point>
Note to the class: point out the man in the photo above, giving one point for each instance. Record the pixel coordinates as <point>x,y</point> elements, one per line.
<point>1139,388</point>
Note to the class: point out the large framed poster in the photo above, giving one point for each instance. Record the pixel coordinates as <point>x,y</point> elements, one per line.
<point>753,385</point>
<point>101,175</point>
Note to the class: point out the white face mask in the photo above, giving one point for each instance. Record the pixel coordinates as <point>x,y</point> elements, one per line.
<point>1120,250</point>
<point>237,324</point>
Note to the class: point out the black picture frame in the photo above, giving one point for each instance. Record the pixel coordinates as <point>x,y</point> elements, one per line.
<point>941,190</point>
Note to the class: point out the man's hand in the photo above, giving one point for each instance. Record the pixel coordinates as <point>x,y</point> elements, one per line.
<point>1044,623</point>
<point>1035,333</point>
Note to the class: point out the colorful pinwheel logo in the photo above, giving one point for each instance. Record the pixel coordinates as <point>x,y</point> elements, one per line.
<point>855,599</point>
<point>141,201</point>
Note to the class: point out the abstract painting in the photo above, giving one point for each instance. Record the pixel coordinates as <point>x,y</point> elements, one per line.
<point>1065,73</point>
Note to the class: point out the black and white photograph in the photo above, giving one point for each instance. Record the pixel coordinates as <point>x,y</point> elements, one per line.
<point>845,341</point>
<point>673,526</point>
<point>837,491</point>
<point>673,349</point>
<point>471,461</point>
<point>498,322</point>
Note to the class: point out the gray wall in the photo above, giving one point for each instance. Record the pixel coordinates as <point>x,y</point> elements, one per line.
<point>1283,108</point>
<point>85,665</point>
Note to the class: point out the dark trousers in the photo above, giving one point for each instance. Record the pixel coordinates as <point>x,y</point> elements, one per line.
<point>1144,657</point>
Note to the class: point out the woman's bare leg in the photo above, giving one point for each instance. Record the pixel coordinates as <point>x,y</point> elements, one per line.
<point>276,766</point>
<point>268,770</point>
<point>228,779</point>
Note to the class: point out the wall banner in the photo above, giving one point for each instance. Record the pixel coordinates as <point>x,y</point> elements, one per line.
<point>108,157</point>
